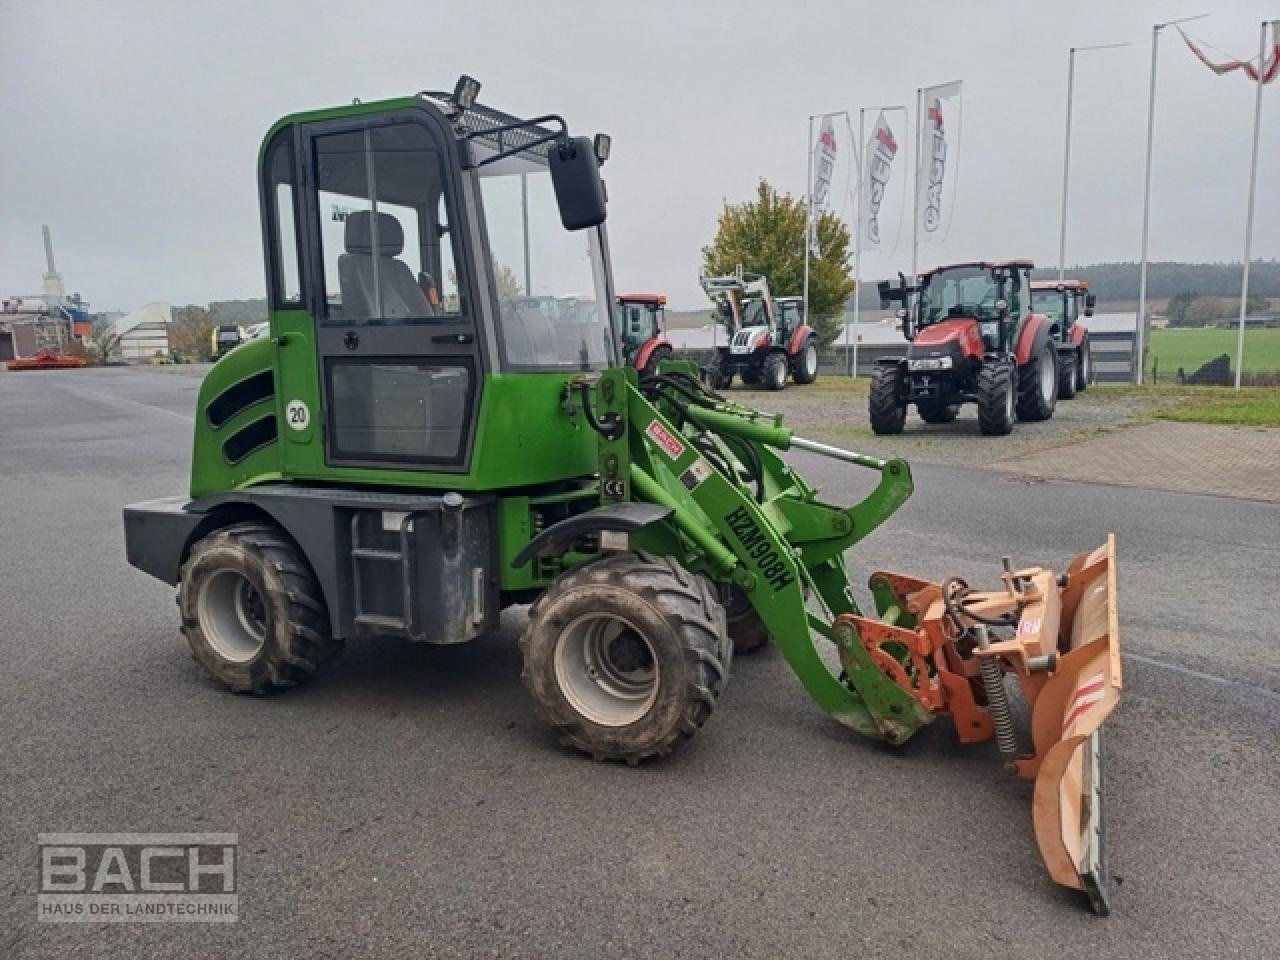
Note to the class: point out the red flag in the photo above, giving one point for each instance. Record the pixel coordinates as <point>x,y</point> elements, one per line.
<point>1270,67</point>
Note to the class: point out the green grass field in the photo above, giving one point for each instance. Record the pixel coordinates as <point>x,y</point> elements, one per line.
<point>1188,349</point>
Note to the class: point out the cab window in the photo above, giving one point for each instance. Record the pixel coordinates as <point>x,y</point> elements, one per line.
<point>385,230</point>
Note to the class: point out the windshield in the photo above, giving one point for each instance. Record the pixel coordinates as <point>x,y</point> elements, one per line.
<point>1048,302</point>
<point>754,313</point>
<point>550,281</point>
<point>960,292</point>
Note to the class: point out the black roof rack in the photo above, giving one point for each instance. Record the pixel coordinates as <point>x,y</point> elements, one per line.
<point>478,119</point>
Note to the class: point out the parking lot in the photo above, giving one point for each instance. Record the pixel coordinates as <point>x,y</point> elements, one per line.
<point>409,802</point>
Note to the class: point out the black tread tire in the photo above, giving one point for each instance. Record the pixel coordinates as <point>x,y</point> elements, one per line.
<point>937,412</point>
<point>773,371</point>
<point>1032,405</point>
<point>887,408</point>
<point>685,625</point>
<point>297,643</point>
<point>746,629</point>
<point>750,377</point>
<point>660,353</point>
<point>1066,375</point>
<point>799,371</point>
<point>995,385</point>
<point>1084,367</point>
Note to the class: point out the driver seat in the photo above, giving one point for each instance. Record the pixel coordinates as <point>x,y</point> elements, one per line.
<point>367,276</point>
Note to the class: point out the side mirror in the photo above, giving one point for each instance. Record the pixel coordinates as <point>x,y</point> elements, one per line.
<point>887,294</point>
<point>575,175</point>
<point>1090,301</point>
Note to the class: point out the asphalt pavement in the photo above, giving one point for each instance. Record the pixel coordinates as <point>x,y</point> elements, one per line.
<point>409,803</point>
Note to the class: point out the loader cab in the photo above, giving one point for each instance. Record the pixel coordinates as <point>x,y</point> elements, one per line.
<point>432,265</point>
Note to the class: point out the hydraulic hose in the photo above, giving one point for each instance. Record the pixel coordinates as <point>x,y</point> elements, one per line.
<point>612,428</point>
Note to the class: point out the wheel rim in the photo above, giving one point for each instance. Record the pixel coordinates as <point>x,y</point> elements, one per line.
<point>1084,366</point>
<point>810,360</point>
<point>606,669</point>
<point>780,374</point>
<point>1048,378</point>
<point>232,615</point>
<point>1008,402</point>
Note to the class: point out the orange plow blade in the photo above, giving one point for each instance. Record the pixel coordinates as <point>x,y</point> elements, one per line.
<point>1066,722</point>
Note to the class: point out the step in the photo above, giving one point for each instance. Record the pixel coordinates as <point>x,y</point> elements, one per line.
<point>372,553</point>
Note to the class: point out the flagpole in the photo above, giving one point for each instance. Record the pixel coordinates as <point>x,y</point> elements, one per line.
<point>1253,182</point>
<point>857,248</point>
<point>808,215</point>
<point>915,191</point>
<point>1146,198</point>
<point>1066,150</point>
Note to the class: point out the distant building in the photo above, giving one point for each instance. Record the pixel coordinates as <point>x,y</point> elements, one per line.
<point>145,333</point>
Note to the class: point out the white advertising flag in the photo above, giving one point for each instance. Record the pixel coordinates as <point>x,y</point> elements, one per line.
<point>935,163</point>
<point>824,164</point>
<point>881,149</point>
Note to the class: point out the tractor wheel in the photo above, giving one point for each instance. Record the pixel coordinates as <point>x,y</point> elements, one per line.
<point>746,629</point>
<point>996,405</point>
<point>804,365</point>
<point>750,377</point>
<point>1067,377</point>
<point>1038,386</point>
<point>887,406</point>
<point>626,657</point>
<point>1084,367</point>
<point>937,412</point>
<point>773,372</point>
<point>659,354</point>
<point>252,610</point>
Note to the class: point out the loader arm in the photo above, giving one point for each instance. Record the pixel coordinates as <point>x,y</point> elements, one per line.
<point>744,516</point>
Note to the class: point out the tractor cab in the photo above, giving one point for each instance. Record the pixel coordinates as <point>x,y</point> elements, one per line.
<point>790,316</point>
<point>641,320</point>
<point>992,296</point>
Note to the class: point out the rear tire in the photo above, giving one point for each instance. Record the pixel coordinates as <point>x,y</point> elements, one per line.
<point>659,354</point>
<point>804,366</point>
<point>1066,375</point>
<point>996,413</point>
<point>773,372</point>
<point>1038,386</point>
<point>252,610</point>
<point>886,404</point>
<point>937,412</point>
<point>626,657</point>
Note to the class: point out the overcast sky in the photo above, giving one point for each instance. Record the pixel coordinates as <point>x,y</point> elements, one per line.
<point>132,129</point>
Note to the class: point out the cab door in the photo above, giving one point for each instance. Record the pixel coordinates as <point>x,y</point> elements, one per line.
<point>396,340</point>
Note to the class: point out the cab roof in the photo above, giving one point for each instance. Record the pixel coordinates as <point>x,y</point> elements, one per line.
<point>988,264</point>
<point>655,298</point>
<point>1059,285</point>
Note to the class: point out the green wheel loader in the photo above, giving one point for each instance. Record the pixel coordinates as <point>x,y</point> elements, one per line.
<point>418,444</point>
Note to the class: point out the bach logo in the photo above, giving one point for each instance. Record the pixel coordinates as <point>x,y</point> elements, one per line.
<point>138,878</point>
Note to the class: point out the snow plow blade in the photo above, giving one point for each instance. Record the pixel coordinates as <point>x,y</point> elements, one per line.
<point>1066,726</point>
<point>951,647</point>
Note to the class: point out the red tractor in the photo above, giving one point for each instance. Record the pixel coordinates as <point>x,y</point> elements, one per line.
<point>768,338</point>
<point>1064,303</point>
<point>973,338</point>
<point>642,322</point>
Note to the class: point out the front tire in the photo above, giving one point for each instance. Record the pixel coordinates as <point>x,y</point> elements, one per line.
<point>804,366</point>
<point>252,610</point>
<point>1067,377</point>
<point>746,629</point>
<point>626,657</point>
<point>1084,367</point>
<point>886,403</point>
<point>1038,386</point>
<point>996,409</point>
<point>773,372</point>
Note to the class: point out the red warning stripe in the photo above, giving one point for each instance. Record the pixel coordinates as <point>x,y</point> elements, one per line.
<point>1087,694</point>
